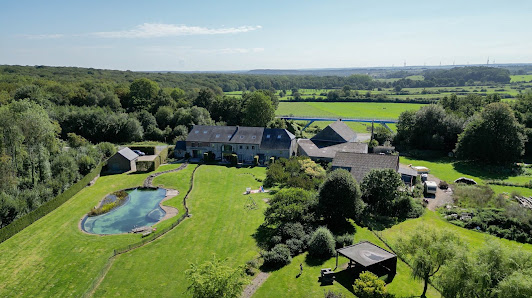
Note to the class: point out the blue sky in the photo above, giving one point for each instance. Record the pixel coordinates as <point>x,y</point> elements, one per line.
<point>239,35</point>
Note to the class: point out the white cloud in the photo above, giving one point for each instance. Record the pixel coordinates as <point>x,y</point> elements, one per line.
<point>151,30</point>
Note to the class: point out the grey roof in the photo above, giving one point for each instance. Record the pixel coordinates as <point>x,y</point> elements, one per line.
<point>337,132</point>
<point>128,153</point>
<point>366,253</point>
<point>318,149</point>
<point>361,164</point>
<point>276,139</point>
<point>242,135</point>
<point>404,170</point>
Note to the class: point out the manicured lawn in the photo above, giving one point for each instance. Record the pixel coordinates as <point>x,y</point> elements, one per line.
<point>449,170</point>
<point>52,257</point>
<point>473,239</point>
<point>221,224</point>
<point>283,282</point>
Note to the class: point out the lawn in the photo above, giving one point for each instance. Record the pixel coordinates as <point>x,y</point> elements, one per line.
<point>346,109</point>
<point>283,282</point>
<point>449,170</point>
<point>521,78</point>
<point>222,223</point>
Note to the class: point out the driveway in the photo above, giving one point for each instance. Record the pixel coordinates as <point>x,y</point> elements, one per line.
<point>442,197</point>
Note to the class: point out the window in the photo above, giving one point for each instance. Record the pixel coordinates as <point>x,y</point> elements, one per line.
<point>241,137</point>
<point>197,131</point>
<point>228,136</point>
<point>247,147</point>
<point>217,135</point>
<point>240,146</point>
<point>267,136</point>
<point>254,137</point>
<point>279,136</point>
<point>252,147</point>
<point>204,131</point>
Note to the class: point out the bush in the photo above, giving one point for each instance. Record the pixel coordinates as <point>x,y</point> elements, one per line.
<point>296,246</point>
<point>107,149</point>
<point>368,285</point>
<point>293,230</point>
<point>443,185</point>
<point>321,244</point>
<point>344,240</point>
<point>251,267</point>
<point>277,257</point>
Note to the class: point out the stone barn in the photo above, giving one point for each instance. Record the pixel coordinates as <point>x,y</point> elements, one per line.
<point>123,161</point>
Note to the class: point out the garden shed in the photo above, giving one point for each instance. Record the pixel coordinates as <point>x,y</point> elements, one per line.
<point>123,161</point>
<point>366,256</point>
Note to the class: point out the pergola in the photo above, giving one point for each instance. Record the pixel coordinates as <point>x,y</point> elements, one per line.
<point>367,256</point>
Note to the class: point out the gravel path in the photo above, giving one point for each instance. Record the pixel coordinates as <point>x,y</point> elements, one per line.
<point>255,284</point>
<point>442,198</point>
<point>149,181</point>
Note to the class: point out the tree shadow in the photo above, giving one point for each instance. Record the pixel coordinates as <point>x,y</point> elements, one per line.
<point>379,223</point>
<point>486,171</point>
<point>342,227</point>
<point>263,236</point>
<point>347,277</point>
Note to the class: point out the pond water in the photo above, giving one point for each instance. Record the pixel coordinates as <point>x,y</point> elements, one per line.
<point>141,209</point>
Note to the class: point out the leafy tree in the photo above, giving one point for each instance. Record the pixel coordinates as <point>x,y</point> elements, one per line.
<point>258,110</point>
<point>291,205</point>
<point>277,257</point>
<point>380,190</point>
<point>368,285</point>
<point>164,116</point>
<point>142,92</point>
<point>205,98</point>
<point>107,149</point>
<point>339,198</point>
<point>321,244</point>
<point>494,136</point>
<point>215,279</point>
<point>8,209</point>
<point>427,251</point>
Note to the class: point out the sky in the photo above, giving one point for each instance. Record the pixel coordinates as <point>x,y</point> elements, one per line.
<point>227,35</point>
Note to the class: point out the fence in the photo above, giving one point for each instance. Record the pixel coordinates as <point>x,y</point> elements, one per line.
<point>26,220</point>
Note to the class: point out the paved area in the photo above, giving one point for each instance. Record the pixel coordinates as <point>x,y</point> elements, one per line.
<point>442,197</point>
<point>170,211</point>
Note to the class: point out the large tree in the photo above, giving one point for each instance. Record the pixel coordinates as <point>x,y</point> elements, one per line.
<point>291,205</point>
<point>215,279</point>
<point>258,109</point>
<point>494,136</point>
<point>339,198</point>
<point>380,190</point>
<point>427,250</point>
<point>142,92</point>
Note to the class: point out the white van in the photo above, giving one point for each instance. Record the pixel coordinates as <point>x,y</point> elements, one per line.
<point>430,187</point>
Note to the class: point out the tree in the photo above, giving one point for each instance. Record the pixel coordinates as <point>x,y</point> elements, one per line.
<point>258,110</point>
<point>494,136</point>
<point>291,205</point>
<point>427,250</point>
<point>205,98</point>
<point>215,279</point>
<point>380,190</point>
<point>368,285</point>
<point>339,198</point>
<point>321,244</point>
<point>142,92</point>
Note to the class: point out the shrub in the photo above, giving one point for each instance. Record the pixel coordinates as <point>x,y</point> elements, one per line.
<point>107,149</point>
<point>321,244</point>
<point>331,294</point>
<point>293,230</point>
<point>344,240</point>
<point>443,185</point>
<point>277,257</point>
<point>296,246</point>
<point>368,285</point>
<point>251,267</point>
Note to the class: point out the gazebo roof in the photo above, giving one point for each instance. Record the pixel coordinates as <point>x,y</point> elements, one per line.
<point>365,253</point>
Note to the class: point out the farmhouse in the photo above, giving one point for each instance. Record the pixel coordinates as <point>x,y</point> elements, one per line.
<point>359,164</point>
<point>245,142</point>
<point>123,161</point>
<point>337,137</point>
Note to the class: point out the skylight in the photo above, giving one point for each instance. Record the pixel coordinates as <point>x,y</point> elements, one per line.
<point>267,136</point>
<point>218,135</point>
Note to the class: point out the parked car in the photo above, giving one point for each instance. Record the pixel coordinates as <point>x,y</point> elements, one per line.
<point>140,153</point>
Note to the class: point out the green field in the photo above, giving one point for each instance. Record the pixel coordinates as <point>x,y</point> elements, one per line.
<point>521,78</point>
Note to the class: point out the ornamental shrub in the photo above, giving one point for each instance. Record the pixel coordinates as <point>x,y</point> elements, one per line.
<point>277,257</point>
<point>321,244</point>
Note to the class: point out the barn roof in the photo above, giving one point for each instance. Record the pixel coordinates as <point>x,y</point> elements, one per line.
<point>128,153</point>
<point>361,164</point>
<point>319,149</point>
<point>337,132</point>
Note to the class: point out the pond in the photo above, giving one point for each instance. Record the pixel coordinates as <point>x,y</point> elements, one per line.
<point>141,209</point>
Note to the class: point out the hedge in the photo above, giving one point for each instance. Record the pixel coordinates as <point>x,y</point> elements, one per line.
<point>26,220</point>
<point>149,166</point>
<point>148,150</point>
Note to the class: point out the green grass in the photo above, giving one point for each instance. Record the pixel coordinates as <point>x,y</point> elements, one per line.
<point>346,109</point>
<point>283,282</point>
<point>449,170</point>
<point>220,224</point>
<point>521,78</point>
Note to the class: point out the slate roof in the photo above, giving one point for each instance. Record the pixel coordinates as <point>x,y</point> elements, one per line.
<point>319,149</point>
<point>407,171</point>
<point>337,132</point>
<point>276,139</point>
<point>361,164</point>
<point>241,135</point>
<point>128,153</point>
<point>366,253</point>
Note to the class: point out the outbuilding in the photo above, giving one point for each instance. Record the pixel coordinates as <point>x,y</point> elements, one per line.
<point>366,256</point>
<point>123,161</point>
